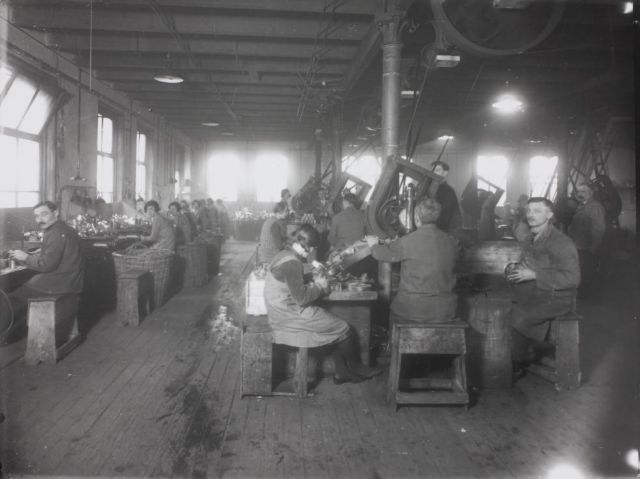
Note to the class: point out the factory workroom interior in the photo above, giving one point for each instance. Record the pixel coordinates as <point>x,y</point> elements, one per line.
<point>319,238</point>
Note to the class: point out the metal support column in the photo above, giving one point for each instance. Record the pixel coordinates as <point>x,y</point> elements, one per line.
<point>391,56</point>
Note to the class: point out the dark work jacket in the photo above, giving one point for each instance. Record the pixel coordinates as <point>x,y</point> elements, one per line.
<point>554,258</point>
<point>347,227</point>
<point>450,219</point>
<point>427,258</point>
<point>59,263</point>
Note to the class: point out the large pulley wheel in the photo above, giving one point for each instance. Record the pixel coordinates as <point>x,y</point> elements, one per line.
<point>480,28</point>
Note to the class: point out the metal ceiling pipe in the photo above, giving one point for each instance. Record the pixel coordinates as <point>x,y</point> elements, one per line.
<point>391,56</point>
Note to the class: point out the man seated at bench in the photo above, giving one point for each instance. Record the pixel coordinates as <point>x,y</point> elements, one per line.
<point>58,263</point>
<point>546,281</point>
<point>427,257</point>
<point>295,321</point>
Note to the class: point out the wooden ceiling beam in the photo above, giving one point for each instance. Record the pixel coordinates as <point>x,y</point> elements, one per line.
<point>193,90</point>
<point>132,43</point>
<point>353,7</point>
<point>110,61</point>
<point>239,78</point>
<point>122,21</point>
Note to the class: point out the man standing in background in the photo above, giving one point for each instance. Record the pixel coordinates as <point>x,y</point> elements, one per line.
<point>586,230</point>
<point>450,219</point>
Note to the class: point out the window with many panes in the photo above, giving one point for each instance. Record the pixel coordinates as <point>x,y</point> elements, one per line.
<point>543,176</point>
<point>492,171</point>
<point>105,172</point>
<point>24,109</point>
<point>141,165</point>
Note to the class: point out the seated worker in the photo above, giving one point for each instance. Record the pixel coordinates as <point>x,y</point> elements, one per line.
<point>163,235</point>
<point>545,283</point>
<point>427,256</point>
<point>273,234</point>
<point>348,226</point>
<point>181,223</point>
<point>58,263</point>
<point>295,321</point>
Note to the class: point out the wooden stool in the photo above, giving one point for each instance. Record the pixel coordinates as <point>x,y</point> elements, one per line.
<point>429,339</point>
<point>135,296</point>
<point>194,258</point>
<point>53,328</point>
<point>561,365</point>
<point>256,344</point>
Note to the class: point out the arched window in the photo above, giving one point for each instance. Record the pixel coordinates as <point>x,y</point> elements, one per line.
<point>25,108</point>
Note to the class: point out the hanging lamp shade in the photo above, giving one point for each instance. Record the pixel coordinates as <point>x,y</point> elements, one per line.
<point>168,75</point>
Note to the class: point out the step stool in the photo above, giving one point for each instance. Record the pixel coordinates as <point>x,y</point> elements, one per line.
<point>560,364</point>
<point>135,296</point>
<point>52,328</point>
<point>428,339</point>
<point>256,345</point>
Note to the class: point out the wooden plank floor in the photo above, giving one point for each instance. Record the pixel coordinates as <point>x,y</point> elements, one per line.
<point>163,400</point>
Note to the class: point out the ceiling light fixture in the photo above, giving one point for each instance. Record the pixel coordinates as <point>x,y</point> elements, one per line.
<point>445,137</point>
<point>627,8</point>
<point>508,104</point>
<point>168,76</point>
<point>210,123</point>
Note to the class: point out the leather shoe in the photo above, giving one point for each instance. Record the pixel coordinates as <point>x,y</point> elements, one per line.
<point>351,378</point>
<point>363,370</point>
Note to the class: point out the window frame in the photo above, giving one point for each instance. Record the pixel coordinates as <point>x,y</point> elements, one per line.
<point>143,163</point>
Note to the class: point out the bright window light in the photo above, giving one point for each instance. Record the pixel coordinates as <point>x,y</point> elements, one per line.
<point>16,102</point>
<point>21,159</point>
<point>141,167</point>
<point>627,8</point>
<point>106,162</point>
<point>224,175</point>
<point>37,114</point>
<point>543,176</point>
<point>565,471</point>
<point>445,137</point>
<point>493,169</point>
<point>365,167</point>
<point>508,105</point>
<point>270,174</point>
<point>5,76</point>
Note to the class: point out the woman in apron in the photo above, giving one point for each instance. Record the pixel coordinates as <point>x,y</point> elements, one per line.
<point>295,321</point>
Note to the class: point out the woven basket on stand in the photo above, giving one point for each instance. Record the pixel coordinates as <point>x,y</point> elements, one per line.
<point>158,261</point>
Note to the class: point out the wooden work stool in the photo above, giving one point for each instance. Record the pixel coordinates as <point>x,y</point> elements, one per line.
<point>560,363</point>
<point>135,296</point>
<point>193,257</point>
<point>256,345</point>
<point>410,338</point>
<point>52,328</point>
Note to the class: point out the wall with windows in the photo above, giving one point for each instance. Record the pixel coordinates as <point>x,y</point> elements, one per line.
<point>68,142</point>
<point>251,174</point>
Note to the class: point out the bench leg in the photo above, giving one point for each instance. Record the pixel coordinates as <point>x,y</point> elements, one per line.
<point>568,373</point>
<point>41,338</point>
<point>394,369</point>
<point>300,377</point>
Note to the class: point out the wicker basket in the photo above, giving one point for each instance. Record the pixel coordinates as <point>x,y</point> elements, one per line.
<point>158,261</point>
